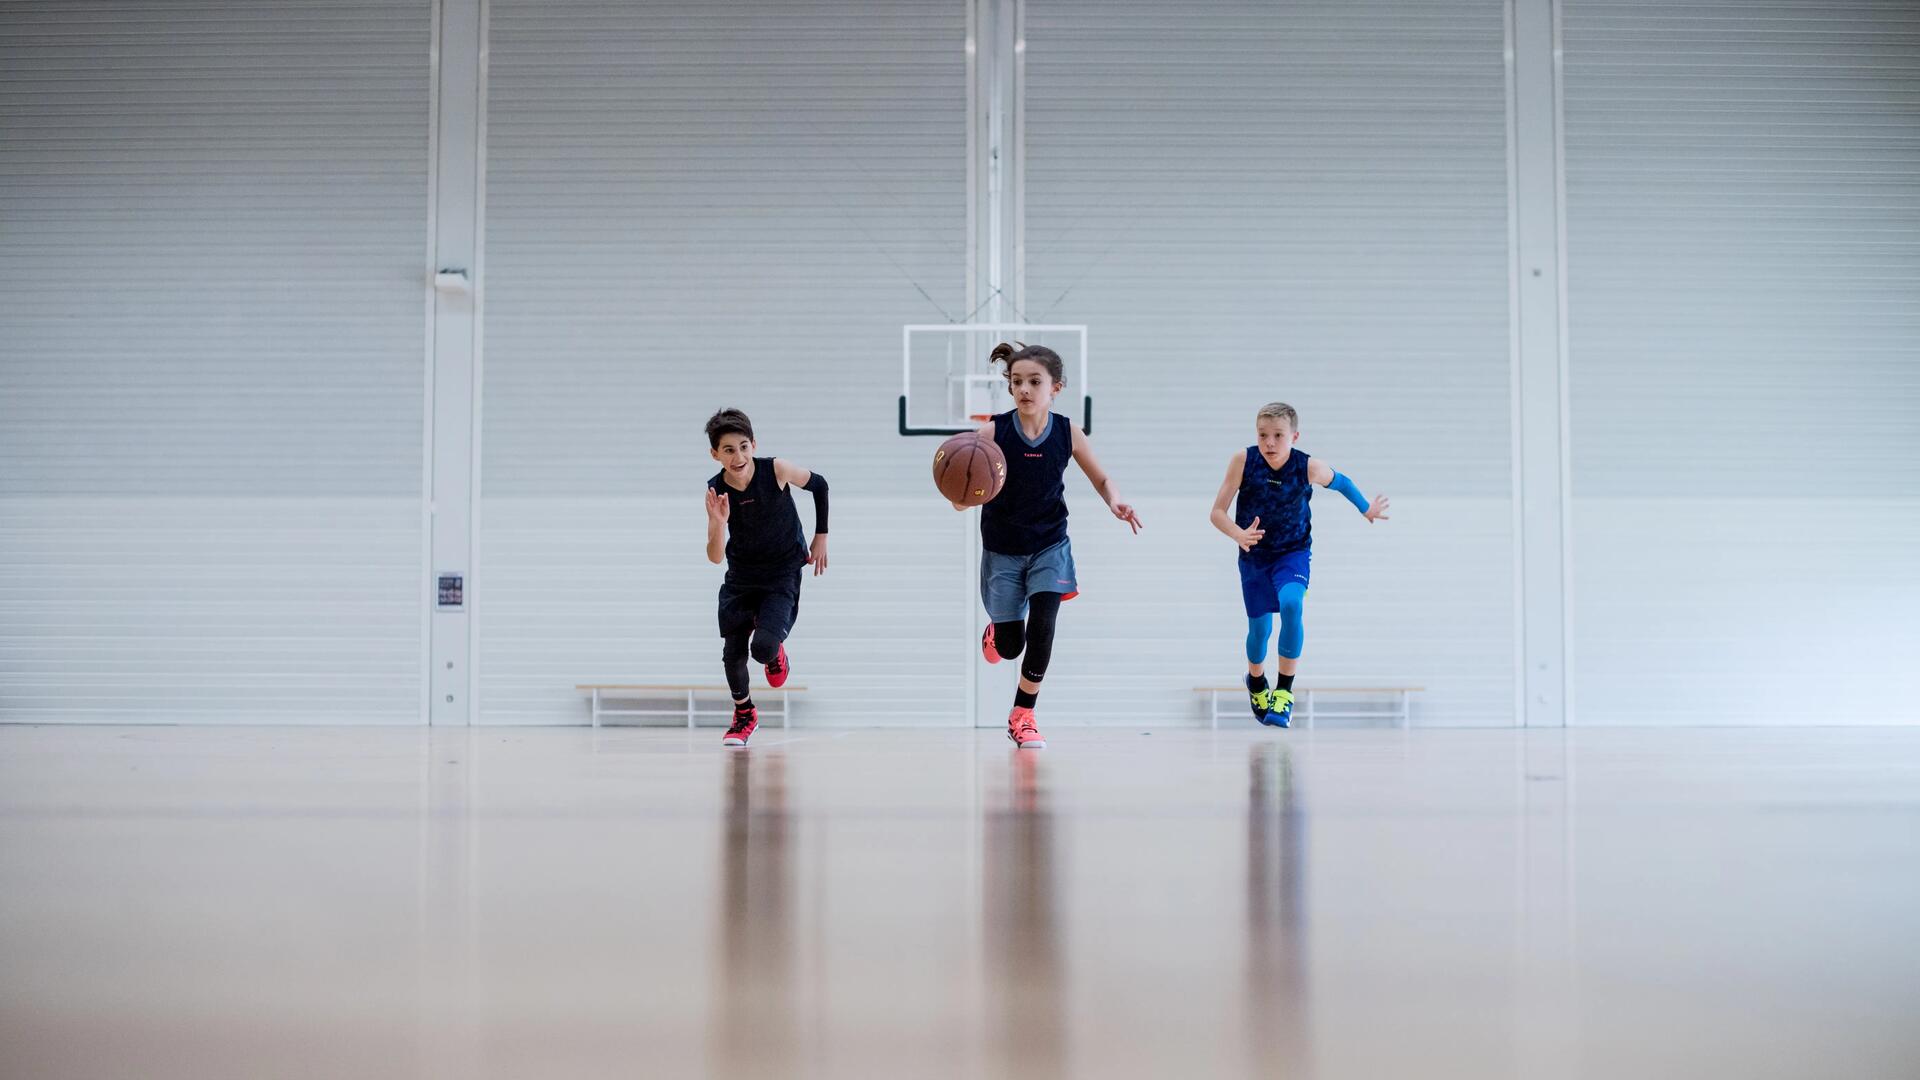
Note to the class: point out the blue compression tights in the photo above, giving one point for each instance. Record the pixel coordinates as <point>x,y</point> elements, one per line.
<point>1293,630</point>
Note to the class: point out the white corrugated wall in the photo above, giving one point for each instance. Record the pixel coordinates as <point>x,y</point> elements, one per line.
<point>691,206</point>
<point>1301,202</point>
<point>1743,220</point>
<point>212,229</point>
<point>212,238</point>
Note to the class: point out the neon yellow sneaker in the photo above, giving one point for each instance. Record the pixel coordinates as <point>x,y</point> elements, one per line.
<point>1258,698</point>
<point>1279,708</point>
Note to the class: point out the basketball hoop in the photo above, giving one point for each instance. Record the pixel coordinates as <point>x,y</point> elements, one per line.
<point>947,385</point>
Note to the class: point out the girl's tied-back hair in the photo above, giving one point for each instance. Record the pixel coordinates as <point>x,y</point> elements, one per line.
<point>1009,355</point>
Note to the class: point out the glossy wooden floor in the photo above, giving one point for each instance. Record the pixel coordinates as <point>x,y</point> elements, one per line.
<point>220,902</point>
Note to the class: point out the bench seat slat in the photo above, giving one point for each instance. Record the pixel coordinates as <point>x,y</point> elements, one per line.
<point>679,687</point>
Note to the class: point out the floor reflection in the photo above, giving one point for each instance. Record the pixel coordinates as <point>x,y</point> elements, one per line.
<point>449,987</point>
<point>1278,1022</point>
<point>1024,1021</point>
<point>750,1022</point>
<point>509,903</point>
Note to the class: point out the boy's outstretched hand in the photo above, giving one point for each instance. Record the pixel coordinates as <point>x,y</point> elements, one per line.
<point>1124,511</point>
<point>1251,535</point>
<point>718,508</point>
<point>817,555</point>
<point>1377,509</point>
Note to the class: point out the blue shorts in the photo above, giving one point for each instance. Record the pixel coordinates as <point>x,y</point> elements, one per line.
<point>1261,581</point>
<point>1007,580</point>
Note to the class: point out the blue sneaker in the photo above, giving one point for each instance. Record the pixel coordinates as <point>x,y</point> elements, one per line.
<point>1258,698</point>
<point>1279,708</point>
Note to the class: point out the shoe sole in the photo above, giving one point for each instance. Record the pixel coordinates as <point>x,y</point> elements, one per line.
<point>733,742</point>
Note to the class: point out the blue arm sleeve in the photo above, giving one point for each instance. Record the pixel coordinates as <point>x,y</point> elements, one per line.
<point>817,485</point>
<point>1346,487</point>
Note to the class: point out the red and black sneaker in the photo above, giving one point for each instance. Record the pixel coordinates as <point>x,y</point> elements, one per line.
<point>745,719</point>
<point>777,671</point>
<point>986,646</point>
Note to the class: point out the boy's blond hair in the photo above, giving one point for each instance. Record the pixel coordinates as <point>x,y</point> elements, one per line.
<point>1279,410</point>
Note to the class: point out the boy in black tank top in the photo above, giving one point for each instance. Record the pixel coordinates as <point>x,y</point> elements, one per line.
<point>753,525</point>
<point>1271,483</point>
<point>1026,562</point>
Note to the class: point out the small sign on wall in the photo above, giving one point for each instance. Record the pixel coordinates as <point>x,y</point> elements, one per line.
<point>453,591</point>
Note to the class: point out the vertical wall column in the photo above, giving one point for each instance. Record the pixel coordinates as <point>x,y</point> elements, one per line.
<point>459,67</point>
<point>996,172</point>
<point>996,256</point>
<point>1540,358</point>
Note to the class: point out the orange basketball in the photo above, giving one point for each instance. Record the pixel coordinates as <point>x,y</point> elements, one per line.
<point>969,469</point>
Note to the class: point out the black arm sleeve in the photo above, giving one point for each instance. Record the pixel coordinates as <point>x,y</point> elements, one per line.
<point>817,484</point>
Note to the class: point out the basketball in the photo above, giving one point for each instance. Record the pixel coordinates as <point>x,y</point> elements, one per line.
<point>969,469</point>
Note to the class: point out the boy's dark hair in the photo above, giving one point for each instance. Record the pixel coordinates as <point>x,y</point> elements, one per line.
<point>1004,353</point>
<point>727,422</point>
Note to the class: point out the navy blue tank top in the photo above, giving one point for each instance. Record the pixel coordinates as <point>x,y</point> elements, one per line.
<point>1030,513</point>
<point>764,542</point>
<point>1280,499</point>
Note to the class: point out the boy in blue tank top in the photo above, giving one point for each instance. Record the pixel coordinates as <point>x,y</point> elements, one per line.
<point>1272,522</point>
<point>753,525</point>
<point>1026,561</point>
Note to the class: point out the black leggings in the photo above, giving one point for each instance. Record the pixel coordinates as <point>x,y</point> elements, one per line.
<point>1033,637</point>
<point>754,621</point>
<point>761,644</point>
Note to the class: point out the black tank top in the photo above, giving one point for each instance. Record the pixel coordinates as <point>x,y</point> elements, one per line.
<point>764,543</point>
<point>1030,513</point>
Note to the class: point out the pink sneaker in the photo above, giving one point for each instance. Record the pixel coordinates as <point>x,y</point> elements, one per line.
<point>986,646</point>
<point>1022,730</point>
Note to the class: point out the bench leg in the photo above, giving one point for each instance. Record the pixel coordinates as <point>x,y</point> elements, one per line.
<point>786,708</point>
<point>1306,698</point>
<point>596,707</point>
<point>689,710</point>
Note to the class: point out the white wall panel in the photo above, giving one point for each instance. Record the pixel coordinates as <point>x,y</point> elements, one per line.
<point>212,219</point>
<point>691,206</point>
<point>1744,611</point>
<point>212,225</point>
<point>1743,192</point>
<point>1302,202</point>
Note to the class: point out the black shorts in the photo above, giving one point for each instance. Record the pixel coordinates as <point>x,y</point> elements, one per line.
<point>769,606</point>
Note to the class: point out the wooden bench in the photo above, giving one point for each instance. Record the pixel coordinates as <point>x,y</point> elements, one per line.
<point>601,693</point>
<point>1401,712</point>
